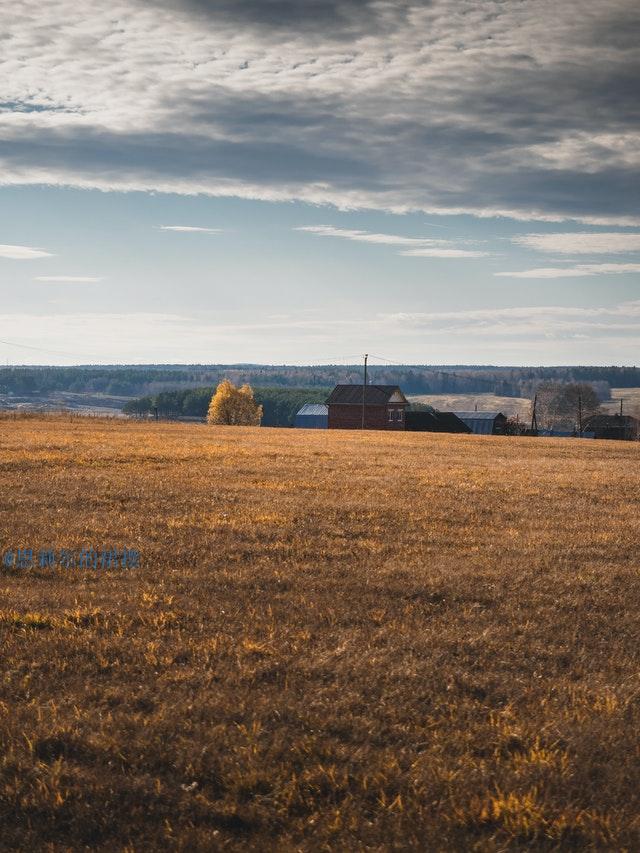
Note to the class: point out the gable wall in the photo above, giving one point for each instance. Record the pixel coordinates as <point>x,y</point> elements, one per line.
<point>376,417</point>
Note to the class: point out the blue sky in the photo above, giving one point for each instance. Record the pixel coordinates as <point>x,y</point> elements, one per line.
<point>294,183</point>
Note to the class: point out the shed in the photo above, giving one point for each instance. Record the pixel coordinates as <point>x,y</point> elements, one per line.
<point>620,427</point>
<point>384,407</point>
<point>484,423</point>
<point>435,422</point>
<point>312,416</point>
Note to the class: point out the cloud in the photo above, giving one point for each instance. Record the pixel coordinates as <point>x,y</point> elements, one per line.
<point>543,313</point>
<point>573,272</point>
<point>365,236</point>
<point>444,253</point>
<point>487,108</point>
<point>72,279</point>
<point>580,243</point>
<point>418,247</point>
<point>331,19</point>
<point>526,324</point>
<point>511,334</point>
<point>22,253</point>
<point>189,228</point>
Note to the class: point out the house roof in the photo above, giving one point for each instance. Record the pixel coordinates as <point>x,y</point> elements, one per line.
<point>313,409</point>
<point>375,395</point>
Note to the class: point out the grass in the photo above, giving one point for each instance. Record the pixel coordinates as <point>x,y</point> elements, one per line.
<point>335,641</point>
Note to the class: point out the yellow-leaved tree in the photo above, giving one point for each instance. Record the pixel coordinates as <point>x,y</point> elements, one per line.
<point>234,406</point>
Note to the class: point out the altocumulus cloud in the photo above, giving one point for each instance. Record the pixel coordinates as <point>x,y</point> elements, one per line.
<point>525,109</point>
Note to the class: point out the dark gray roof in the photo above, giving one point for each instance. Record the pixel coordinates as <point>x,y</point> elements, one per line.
<point>478,416</point>
<point>481,423</point>
<point>434,422</point>
<point>351,395</point>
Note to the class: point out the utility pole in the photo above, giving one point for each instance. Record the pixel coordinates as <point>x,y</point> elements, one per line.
<point>364,386</point>
<point>534,417</point>
<point>621,401</point>
<point>580,415</point>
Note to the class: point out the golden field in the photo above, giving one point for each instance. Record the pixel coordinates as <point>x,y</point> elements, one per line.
<point>335,641</point>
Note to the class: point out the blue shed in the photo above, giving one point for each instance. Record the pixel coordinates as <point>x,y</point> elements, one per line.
<point>312,416</point>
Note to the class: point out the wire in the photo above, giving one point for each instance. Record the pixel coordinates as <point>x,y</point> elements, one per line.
<point>464,376</point>
<point>38,349</point>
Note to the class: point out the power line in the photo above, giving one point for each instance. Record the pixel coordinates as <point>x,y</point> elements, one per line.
<point>468,377</point>
<point>38,349</point>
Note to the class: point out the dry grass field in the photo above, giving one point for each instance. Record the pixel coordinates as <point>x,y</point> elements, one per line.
<point>630,400</point>
<point>335,641</point>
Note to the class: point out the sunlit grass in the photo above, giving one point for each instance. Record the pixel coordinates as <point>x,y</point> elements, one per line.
<point>335,641</point>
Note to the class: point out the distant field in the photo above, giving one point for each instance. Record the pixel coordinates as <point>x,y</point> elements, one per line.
<point>509,406</point>
<point>336,641</point>
<point>80,403</point>
<point>630,401</point>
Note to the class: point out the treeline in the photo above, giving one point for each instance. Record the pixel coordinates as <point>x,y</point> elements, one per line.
<point>144,380</point>
<point>279,405</point>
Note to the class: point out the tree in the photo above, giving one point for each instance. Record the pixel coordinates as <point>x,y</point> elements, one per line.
<point>560,406</point>
<point>234,406</point>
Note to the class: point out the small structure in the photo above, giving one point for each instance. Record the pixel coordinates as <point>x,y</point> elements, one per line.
<point>484,423</point>
<point>382,406</point>
<point>435,422</point>
<point>312,416</point>
<point>620,427</point>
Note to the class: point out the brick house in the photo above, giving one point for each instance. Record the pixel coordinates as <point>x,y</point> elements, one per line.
<point>384,407</point>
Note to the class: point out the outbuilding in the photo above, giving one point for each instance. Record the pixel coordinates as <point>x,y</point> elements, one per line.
<point>435,422</point>
<point>620,427</point>
<point>484,423</point>
<point>312,416</point>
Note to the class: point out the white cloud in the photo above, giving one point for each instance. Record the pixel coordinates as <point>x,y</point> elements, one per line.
<point>22,253</point>
<point>413,337</point>
<point>444,253</point>
<point>423,247</point>
<point>72,279</point>
<point>190,228</point>
<point>580,243</point>
<point>524,325</point>
<point>483,107</point>
<point>365,236</point>
<point>573,272</point>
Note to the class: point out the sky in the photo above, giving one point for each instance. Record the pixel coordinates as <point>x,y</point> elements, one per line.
<point>277,181</point>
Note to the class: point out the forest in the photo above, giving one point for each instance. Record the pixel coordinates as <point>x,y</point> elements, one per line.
<point>279,405</point>
<point>142,380</point>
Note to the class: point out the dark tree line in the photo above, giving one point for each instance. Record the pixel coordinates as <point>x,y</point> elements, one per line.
<point>279,404</point>
<point>144,380</point>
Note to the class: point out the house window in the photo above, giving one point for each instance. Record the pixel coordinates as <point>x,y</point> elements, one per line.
<point>399,415</point>
<point>390,415</point>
